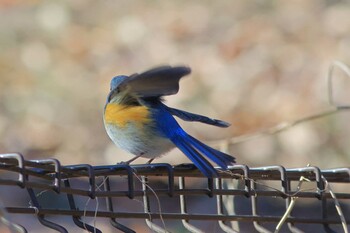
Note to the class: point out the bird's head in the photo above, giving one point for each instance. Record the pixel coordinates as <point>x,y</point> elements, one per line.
<point>115,82</point>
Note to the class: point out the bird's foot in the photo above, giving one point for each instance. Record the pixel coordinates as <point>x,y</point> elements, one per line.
<point>130,160</point>
<point>123,163</point>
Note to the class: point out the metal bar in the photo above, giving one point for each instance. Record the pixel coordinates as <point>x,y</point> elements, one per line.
<point>177,192</point>
<point>77,219</point>
<point>9,163</point>
<point>173,216</point>
<point>51,175</point>
<point>57,172</point>
<point>220,208</point>
<point>41,216</point>
<point>183,206</point>
<point>147,209</point>
<point>19,160</point>
<point>109,205</point>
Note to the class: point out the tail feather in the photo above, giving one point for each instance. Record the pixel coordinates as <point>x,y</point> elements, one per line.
<point>203,165</point>
<point>188,116</point>
<point>220,158</point>
<point>196,151</point>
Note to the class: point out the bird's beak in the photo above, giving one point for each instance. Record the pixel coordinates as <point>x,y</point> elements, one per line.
<point>110,95</point>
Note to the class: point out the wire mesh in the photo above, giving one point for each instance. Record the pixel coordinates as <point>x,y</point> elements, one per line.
<point>114,183</point>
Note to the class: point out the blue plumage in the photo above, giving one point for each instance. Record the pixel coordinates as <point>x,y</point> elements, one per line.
<point>190,146</point>
<point>161,132</point>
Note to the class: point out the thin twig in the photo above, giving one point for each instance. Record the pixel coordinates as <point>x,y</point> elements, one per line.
<point>337,205</point>
<point>345,69</point>
<point>291,205</point>
<point>334,108</point>
<point>158,201</point>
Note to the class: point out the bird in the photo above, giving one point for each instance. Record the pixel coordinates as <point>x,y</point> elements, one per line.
<point>137,120</point>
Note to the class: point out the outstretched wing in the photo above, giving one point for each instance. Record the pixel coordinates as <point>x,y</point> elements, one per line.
<point>156,82</point>
<point>188,116</point>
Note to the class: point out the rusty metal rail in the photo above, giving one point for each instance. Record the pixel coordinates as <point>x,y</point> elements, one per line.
<point>35,176</point>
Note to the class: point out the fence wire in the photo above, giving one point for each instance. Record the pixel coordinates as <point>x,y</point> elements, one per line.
<point>98,182</point>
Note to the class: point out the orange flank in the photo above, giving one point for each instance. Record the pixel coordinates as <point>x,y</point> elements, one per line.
<point>120,115</point>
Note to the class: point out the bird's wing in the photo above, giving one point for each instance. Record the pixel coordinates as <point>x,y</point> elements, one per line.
<point>188,116</point>
<point>155,82</point>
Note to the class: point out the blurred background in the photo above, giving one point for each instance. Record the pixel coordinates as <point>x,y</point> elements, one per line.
<point>254,64</point>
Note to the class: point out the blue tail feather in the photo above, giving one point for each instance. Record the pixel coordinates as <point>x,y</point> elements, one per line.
<point>196,150</point>
<point>220,158</point>
<point>203,165</point>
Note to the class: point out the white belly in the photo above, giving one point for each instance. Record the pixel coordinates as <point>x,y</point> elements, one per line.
<point>137,141</point>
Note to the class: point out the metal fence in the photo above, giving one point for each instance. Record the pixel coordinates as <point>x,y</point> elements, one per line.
<point>158,184</point>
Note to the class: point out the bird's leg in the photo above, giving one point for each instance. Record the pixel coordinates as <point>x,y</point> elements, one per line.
<point>150,161</point>
<point>131,160</point>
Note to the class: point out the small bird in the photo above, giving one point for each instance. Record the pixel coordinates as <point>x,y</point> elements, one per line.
<point>137,120</point>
